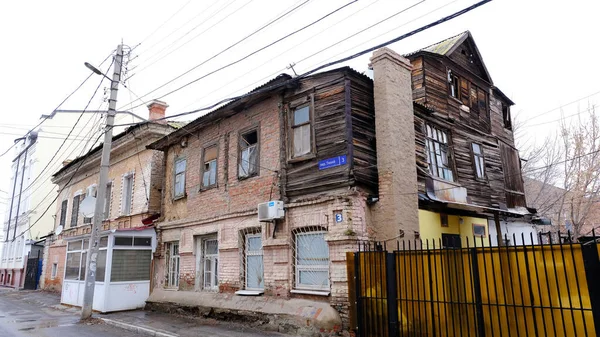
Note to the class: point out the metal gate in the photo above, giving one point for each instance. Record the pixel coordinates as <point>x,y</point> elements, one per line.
<point>420,289</point>
<point>32,273</point>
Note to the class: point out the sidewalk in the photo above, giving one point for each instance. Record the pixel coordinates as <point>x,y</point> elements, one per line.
<point>145,322</point>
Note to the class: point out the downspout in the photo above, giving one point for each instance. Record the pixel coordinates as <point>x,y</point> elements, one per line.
<point>12,199</point>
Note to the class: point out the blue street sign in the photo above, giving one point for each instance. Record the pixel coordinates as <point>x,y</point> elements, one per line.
<point>332,162</point>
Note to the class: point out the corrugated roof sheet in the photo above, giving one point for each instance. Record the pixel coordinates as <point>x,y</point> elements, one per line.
<point>443,46</point>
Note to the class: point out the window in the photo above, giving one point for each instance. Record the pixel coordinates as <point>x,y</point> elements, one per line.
<point>63,213</point>
<point>301,132</point>
<point>172,264</point>
<point>478,99</point>
<point>248,159</point>
<point>54,271</point>
<point>179,185</point>
<point>130,265</point>
<point>438,156</point>
<point>210,264</point>
<point>478,160</point>
<point>209,168</point>
<point>453,81</point>
<point>76,260</point>
<point>254,261</point>
<point>506,116</point>
<point>92,191</point>
<point>479,230</point>
<point>107,199</point>
<point>312,261</point>
<point>75,210</point>
<point>127,194</point>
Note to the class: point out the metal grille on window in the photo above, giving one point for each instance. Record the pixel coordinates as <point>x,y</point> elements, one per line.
<point>248,154</point>
<point>311,259</point>
<point>251,256</point>
<point>437,153</point>
<point>210,256</point>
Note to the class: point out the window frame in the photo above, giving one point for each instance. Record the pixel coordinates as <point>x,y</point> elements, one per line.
<point>311,121</point>
<point>54,271</point>
<point>124,212</point>
<point>183,194</point>
<point>485,230</point>
<point>82,251</point>
<point>75,210</point>
<point>506,117</point>
<point>241,133</point>
<point>297,284</point>
<point>454,81</point>
<point>64,208</point>
<point>448,146</point>
<point>248,252</point>
<point>107,200</point>
<point>214,260</point>
<point>478,158</point>
<point>172,278</point>
<point>202,163</point>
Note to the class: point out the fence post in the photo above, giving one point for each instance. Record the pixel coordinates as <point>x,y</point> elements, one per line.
<point>392,294</point>
<point>477,293</point>
<point>591,265</point>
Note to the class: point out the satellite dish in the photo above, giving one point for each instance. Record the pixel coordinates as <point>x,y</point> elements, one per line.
<point>87,206</point>
<point>59,230</point>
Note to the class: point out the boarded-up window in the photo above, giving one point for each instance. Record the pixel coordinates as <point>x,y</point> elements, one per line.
<point>209,168</point>
<point>464,91</point>
<point>301,131</point>
<point>478,160</point>
<point>75,210</point>
<point>513,181</point>
<point>248,160</point>
<point>438,156</point>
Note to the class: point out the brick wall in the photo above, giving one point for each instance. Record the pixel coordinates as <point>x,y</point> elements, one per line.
<point>56,254</point>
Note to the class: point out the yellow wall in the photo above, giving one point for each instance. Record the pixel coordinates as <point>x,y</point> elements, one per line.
<point>430,227</point>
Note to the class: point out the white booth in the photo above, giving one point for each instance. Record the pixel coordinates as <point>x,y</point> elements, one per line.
<point>123,269</point>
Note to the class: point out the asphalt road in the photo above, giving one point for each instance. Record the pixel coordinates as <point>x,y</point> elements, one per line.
<point>20,318</point>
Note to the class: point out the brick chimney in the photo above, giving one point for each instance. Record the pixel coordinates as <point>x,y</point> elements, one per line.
<point>156,110</point>
<point>396,214</point>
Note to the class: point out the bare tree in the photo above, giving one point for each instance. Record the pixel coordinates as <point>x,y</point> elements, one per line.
<point>562,175</point>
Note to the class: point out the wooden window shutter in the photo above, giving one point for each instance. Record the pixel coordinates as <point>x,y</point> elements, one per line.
<point>464,91</point>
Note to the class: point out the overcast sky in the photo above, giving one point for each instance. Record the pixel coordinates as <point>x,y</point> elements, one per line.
<point>542,54</point>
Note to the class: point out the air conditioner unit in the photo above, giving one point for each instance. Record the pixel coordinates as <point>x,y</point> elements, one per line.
<point>271,210</point>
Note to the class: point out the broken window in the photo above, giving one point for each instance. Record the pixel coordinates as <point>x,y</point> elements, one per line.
<point>301,132</point>
<point>478,160</point>
<point>438,156</point>
<point>506,116</point>
<point>179,186</point>
<point>248,160</point>
<point>209,168</point>
<point>453,81</point>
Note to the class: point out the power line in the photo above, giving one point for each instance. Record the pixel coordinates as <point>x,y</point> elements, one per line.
<point>171,51</point>
<point>562,106</point>
<point>381,45</point>
<point>559,119</point>
<point>164,23</point>
<point>58,107</point>
<point>243,58</point>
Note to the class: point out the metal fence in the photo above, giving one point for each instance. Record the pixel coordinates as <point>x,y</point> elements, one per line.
<point>421,288</point>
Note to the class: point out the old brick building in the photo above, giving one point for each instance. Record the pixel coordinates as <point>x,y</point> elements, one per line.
<point>133,194</point>
<point>305,149</point>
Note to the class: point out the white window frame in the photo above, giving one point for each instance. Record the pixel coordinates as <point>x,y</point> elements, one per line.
<point>172,265</point>
<point>247,253</point>
<point>437,143</point>
<point>299,268</point>
<point>478,161</point>
<point>127,200</point>
<point>293,126</point>
<point>213,260</point>
<point>107,200</point>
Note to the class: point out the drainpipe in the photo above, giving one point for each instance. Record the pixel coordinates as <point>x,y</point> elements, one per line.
<point>12,199</point>
<point>20,192</point>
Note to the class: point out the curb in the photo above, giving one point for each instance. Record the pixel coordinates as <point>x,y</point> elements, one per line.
<point>139,329</point>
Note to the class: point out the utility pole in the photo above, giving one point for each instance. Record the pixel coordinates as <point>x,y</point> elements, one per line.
<point>92,255</point>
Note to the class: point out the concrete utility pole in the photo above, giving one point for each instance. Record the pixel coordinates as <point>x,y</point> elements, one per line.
<point>92,255</point>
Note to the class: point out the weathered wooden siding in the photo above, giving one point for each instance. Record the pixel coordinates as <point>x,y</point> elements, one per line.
<point>330,132</point>
<point>363,132</point>
<point>513,179</point>
<point>484,192</point>
<point>465,56</point>
<point>438,99</point>
<point>418,80</point>
<point>497,121</point>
